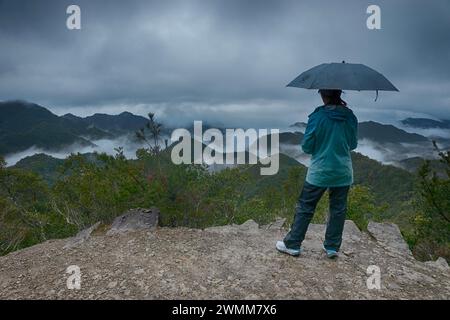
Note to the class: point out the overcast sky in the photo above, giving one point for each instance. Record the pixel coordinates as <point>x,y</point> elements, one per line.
<point>225,61</point>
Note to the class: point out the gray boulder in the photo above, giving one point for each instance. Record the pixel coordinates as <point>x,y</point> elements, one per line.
<point>81,236</point>
<point>135,219</point>
<point>389,236</point>
<point>278,224</point>
<point>351,231</point>
<point>249,227</point>
<point>440,264</point>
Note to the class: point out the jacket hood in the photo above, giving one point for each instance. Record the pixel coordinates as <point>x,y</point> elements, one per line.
<point>337,113</point>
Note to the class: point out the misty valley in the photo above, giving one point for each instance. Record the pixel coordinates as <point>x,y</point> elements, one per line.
<point>58,136</point>
<point>69,172</point>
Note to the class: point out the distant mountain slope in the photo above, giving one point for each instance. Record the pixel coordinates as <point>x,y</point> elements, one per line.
<point>378,132</point>
<point>299,126</point>
<point>414,163</point>
<point>381,178</point>
<point>45,165</point>
<point>115,125</point>
<point>123,122</point>
<point>263,182</point>
<point>390,185</point>
<point>425,123</point>
<point>288,138</point>
<point>386,133</point>
<point>23,125</point>
<point>291,137</point>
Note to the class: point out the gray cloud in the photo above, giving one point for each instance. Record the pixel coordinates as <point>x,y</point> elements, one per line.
<point>223,60</point>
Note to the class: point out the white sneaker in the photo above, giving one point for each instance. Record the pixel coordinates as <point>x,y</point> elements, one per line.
<point>331,253</point>
<point>282,248</point>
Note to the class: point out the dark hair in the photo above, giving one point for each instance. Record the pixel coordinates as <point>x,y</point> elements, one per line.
<point>334,97</point>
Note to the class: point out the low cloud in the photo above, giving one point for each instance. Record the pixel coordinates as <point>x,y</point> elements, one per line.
<point>101,146</point>
<point>390,153</point>
<point>429,133</point>
<point>386,154</point>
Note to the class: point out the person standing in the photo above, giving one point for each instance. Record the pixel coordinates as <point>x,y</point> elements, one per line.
<point>331,133</point>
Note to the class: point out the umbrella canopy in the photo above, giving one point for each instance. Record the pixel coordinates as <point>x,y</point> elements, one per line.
<point>342,76</point>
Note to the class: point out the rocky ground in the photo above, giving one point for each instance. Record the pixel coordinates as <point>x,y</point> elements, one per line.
<point>230,262</point>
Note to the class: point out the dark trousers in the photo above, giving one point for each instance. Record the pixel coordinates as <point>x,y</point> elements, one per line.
<point>304,211</point>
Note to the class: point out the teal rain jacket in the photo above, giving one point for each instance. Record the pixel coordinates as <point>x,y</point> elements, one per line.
<point>330,135</point>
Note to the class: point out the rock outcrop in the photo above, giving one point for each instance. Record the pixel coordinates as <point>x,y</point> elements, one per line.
<point>389,236</point>
<point>227,262</point>
<point>134,220</point>
<point>440,263</point>
<point>81,236</point>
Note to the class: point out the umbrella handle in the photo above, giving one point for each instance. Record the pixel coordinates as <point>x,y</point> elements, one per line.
<point>376,97</point>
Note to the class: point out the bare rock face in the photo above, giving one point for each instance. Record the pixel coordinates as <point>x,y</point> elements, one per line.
<point>81,236</point>
<point>248,227</point>
<point>227,262</point>
<point>278,224</point>
<point>440,264</point>
<point>389,236</point>
<point>134,220</point>
<point>351,231</point>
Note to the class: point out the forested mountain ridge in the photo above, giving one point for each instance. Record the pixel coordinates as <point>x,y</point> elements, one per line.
<point>24,125</point>
<point>384,133</point>
<point>425,123</point>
